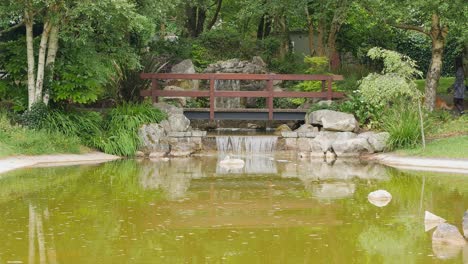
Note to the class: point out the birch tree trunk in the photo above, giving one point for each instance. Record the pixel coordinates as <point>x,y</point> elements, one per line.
<point>50,62</point>
<point>438,35</point>
<point>41,61</point>
<point>28,21</point>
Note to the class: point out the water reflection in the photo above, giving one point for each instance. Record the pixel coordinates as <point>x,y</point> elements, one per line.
<point>186,211</point>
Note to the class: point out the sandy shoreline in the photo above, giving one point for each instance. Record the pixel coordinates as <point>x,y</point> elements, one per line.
<point>17,162</point>
<point>422,164</point>
<point>400,162</point>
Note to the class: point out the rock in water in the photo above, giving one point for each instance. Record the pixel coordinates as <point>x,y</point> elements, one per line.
<point>229,163</point>
<point>465,224</point>
<point>448,234</point>
<point>431,220</point>
<point>379,198</point>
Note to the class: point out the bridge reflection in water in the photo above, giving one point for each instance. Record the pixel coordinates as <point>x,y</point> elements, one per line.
<point>209,197</point>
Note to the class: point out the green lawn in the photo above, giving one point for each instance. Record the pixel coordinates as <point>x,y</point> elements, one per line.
<point>446,139</point>
<point>453,147</point>
<point>444,83</point>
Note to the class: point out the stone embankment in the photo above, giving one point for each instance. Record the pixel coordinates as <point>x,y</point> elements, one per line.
<point>332,134</point>
<point>327,134</point>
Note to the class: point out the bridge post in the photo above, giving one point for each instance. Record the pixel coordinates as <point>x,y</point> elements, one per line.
<point>270,99</point>
<point>330,92</point>
<point>212,96</point>
<point>154,88</point>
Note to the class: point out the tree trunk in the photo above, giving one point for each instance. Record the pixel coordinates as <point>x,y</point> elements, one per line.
<point>50,62</point>
<point>321,33</point>
<point>219,3</point>
<point>284,32</point>
<point>311,29</point>
<point>30,54</point>
<point>438,35</point>
<point>41,61</point>
<point>196,17</point>
<point>264,27</point>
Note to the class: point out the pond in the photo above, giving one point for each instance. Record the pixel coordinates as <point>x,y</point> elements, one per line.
<point>273,210</point>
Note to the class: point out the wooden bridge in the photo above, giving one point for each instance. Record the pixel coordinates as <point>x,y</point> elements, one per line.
<point>270,113</point>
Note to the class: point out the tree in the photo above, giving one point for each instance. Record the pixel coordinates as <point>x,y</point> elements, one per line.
<point>104,29</point>
<point>434,19</point>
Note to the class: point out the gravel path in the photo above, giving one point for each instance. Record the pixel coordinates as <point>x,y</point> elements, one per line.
<point>12,163</point>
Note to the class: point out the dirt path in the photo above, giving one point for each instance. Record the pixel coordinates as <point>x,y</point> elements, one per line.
<point>423,164</point>
<point>12,163</point>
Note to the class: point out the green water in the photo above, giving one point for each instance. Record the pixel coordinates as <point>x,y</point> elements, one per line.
<point>191,211</point>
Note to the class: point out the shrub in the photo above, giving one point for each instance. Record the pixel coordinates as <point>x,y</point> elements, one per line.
<point>34,117</point>
<point>394,82</point>
<point>402,122</point>
<point>365,112</point>
<point>120,134</point>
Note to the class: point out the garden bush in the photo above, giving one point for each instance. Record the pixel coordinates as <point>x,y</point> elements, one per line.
<point>402,121</point>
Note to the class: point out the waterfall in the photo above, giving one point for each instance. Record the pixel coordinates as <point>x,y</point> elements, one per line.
<point>256,151</point>
<point>246,144</point>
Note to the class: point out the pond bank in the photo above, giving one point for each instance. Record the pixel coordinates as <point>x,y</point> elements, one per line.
<point>12,163</point>
<point>421,164</point>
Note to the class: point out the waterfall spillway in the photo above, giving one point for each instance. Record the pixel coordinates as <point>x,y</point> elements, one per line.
<point>256,151</point>
<point>246,144</point>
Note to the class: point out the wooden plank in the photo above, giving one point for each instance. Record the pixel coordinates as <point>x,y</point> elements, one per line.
<point>329,92</point>
<point>241,94</point>
<point>182,93</point>
<point>240,76</point>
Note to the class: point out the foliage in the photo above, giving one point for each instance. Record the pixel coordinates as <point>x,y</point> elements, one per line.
<point>402,122</point>
<point>120,134</point>
<point>395,81</point>
<point>127,84</point>
<point>83,124</point>
<point>317,65</point>
<point>17,140</point>
<point>34,117</point>
<point>365,112</point>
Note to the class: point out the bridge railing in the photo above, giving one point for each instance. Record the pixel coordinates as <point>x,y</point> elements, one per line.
<point>326,93</point>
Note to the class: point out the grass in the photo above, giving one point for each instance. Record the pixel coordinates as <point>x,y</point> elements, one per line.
<point>17,140</point>
<point>444,84</point>
<point>452,147</point>
<point>447,138</point>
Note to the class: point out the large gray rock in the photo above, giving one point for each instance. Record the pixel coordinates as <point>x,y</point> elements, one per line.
<point>153,138</point>
<point>448,234</point>
<point>169,109</point>
<point>186,67</point>
<point>333,120</point>
<point>465,224</point>
<point>176,120</point>
<point>377,140</point>
<point>307,128</point>
<point>351,147</point>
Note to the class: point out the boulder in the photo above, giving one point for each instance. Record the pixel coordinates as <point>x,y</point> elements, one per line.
<point>465,224</point>
<point>377,140</point>
<point>307,128</point>
<point>324,141</point>
<point>186,67</point>
<point>169,109</point>
<point>157,155</point>
<point>333,120</point>
<point>282,128</point>
<point>448,234</point>
<point>153,138</point>
<point>351,147</point>
<point>446,251</point>
<point>229,163</point>
<point>431,220</point>
<point>139,154</point>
